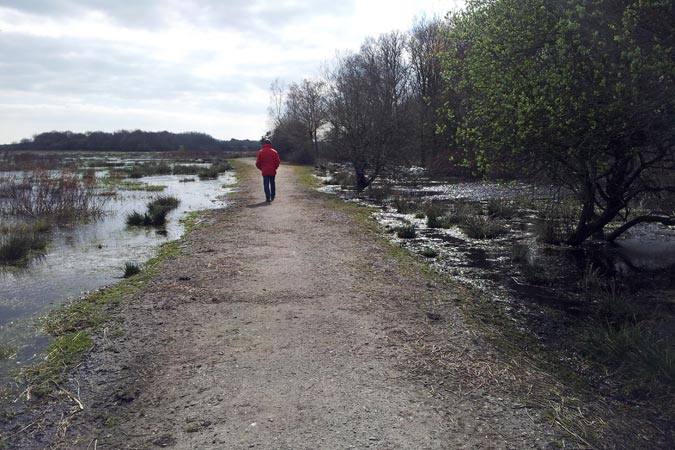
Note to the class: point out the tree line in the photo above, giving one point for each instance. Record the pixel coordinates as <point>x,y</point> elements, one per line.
<point>580,93</point>
<point>130,141</point>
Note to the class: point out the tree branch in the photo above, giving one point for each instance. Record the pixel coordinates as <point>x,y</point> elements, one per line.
<point>665,220</point>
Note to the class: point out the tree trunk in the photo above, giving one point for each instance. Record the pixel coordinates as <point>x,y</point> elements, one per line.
<point>362,181</point>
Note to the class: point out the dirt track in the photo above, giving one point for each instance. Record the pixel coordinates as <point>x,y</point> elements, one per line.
<point>287,326</point>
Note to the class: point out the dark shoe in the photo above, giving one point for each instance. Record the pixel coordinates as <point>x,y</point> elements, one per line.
<point>268,200</point>
<point>272,199</point>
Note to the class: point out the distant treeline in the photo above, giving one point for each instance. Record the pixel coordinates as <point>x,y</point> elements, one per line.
<point>130,141</point>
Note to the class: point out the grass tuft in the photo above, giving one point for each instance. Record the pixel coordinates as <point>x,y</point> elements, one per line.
<point>407,232</point>
<point>131,269</point>
<point>481,227</point>
<point>156,213</point>
<point>429,252</point>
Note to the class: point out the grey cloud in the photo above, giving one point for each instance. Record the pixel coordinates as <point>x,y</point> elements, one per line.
<point>247,16</point>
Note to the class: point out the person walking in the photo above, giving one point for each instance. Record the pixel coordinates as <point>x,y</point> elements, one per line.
<point>268,162</point>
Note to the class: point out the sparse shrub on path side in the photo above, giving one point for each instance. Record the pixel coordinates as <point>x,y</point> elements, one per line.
<point>131,269</point>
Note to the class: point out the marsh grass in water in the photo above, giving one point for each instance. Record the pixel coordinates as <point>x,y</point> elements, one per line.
<point>64,197</point>
<point>429,252</point>
<point>644,360</point>
<point>212,172</point>
<point>481,227</point>
<point>555,221</point>
<point>127,185</point>
<point>501,208</point>
<point>437,218</point>
<point>407,232</point>
<point>20,241</point>
<point>6,351</point>
<point>156,212</point>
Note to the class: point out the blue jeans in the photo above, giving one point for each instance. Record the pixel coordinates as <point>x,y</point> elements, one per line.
<point>270,188</point>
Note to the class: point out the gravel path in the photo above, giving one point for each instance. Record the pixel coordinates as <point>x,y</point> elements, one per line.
<point>287,326</point>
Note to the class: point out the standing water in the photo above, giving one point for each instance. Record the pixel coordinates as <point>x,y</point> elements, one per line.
<point>89,256</point>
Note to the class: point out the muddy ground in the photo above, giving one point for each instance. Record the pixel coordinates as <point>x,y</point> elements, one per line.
<point>290,325</point>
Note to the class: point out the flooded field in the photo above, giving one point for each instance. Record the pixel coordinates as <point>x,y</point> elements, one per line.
<point>87,256</point>
<point>595,309</point>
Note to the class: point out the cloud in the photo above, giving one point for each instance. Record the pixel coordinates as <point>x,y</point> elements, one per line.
<point>183,64</point>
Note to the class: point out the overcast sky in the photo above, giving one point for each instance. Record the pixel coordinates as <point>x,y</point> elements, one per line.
<point>177,65</point>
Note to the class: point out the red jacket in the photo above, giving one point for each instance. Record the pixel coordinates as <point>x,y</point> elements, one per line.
<point>268,161</point>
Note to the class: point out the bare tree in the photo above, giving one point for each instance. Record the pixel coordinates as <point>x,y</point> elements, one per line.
<point>276,108</point>
<point>369,105</point>
<point>306,104</point>
<point>426,44</point>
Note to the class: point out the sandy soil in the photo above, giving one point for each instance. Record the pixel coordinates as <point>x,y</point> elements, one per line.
<point>287,326</point>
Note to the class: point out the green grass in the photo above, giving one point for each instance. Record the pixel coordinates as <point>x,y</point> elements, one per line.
<point>73,325</point>
<point>64,352</point>
<point>306,176</point>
